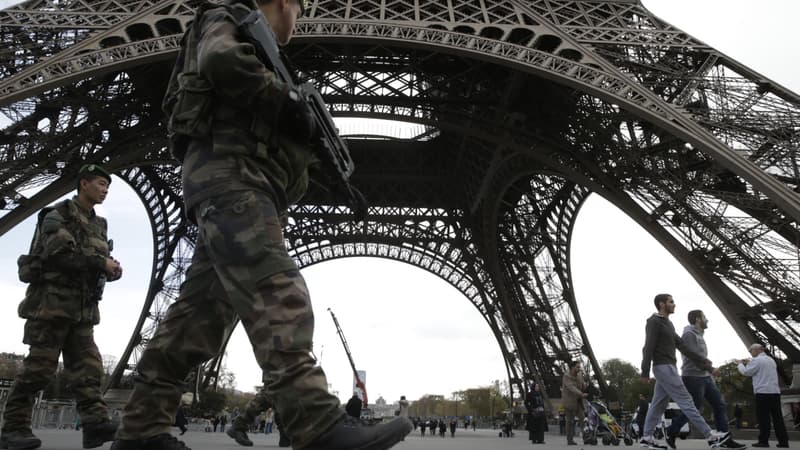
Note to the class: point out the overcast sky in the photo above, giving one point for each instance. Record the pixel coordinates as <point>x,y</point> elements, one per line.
<point>413,333</point>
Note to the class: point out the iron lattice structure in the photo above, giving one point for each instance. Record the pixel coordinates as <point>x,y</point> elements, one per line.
<point>520,109</point>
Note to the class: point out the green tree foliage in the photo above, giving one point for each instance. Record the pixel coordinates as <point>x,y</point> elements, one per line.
<point>736,388</point>
<point>236,399</point>
<point>482,401</point>
<point>211,403</point>
<point>10,365</point>
<point>624,383</point>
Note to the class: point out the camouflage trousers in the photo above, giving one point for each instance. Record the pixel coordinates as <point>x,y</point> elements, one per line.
<point>260,403</point>
<point>240,267</point>
<point>83,369</point>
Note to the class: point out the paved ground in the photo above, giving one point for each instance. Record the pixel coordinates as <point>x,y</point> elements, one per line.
<point>464,440</point>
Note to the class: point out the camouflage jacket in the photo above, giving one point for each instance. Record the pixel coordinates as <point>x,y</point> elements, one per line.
<point>75,248</point>
<point>244,149</point>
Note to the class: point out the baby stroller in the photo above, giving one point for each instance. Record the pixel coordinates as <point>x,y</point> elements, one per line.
<point>601,424</point>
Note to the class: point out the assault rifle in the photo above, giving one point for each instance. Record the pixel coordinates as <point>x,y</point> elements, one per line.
<point>329,145</point>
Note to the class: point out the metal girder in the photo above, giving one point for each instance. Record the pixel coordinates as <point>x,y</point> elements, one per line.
<point>702,151</point>
<point>173,240</point>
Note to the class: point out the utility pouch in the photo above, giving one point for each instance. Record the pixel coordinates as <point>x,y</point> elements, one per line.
<point>191,114</point>
<point>29,268</point>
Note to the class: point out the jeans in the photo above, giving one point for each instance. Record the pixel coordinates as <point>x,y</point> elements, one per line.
<point>669,384</point>
<point>703,388</point>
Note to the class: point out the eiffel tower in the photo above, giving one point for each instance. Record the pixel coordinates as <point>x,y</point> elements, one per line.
<point>516,111</point>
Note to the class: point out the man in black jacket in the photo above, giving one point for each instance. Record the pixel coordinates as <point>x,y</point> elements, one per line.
<point>659,349</point>
<point>353,407</point>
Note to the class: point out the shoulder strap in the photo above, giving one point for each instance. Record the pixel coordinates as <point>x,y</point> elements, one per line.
<point>62,207</point>
<point>184,64</point>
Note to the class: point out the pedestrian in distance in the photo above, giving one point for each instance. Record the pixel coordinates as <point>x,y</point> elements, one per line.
<point>641,414</point>
<point>768,395</point>
<point>572,398</point>
<point>353,407</point>
<point>66,271</point>
<point>180,420</point>
<point>269,420</point>
<point>537,420</point>
<point>659,350</point>
<point>246,139</point>
<point>737,415</point>
<point>403,409</point>
<point>700,383</point>
<point>260,403</point>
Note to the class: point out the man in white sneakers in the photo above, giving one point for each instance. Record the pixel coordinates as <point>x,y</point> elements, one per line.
<point>700,383</point>
<point>659,349</point>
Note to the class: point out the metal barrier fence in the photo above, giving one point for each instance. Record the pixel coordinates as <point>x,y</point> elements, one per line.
<point>54,414</point>
<point>51,414</point>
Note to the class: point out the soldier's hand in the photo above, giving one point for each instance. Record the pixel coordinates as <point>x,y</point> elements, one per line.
<point>296,119</point>
<point>112,267</point>
<point>117,273</point>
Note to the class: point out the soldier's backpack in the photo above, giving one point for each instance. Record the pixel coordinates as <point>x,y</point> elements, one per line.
<point>30,266</point>
<point>189,97</point>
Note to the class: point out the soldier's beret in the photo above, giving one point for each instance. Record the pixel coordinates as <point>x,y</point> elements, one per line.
<point>94,169</point>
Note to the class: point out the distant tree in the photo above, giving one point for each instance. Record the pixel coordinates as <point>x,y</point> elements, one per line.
<point>227,380</point>
<point>736,388</point>
<point>236,399</point>
<point>10,365</point>
<point>109,363</point>
<point>624,383</point>
<point>428,405</point>
<point>210,403</point>
<point>484,401</point>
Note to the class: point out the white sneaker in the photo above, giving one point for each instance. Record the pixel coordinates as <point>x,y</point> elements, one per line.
<point>717,439</point>
<point>651,444</point>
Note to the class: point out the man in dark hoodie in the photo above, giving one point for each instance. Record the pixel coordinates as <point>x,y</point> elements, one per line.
<point>659,349</point>
<point>699,382</point>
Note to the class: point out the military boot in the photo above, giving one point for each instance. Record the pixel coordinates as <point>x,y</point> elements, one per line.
<point>163,441</point>
<point>22,439</point>
<point>239,436</point>
<point>350,433</point>
<point>97,434</point>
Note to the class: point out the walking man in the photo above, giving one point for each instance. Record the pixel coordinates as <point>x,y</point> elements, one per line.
<point>67,270</point>
<point>700,383</point>
<point>244,139</point>
<point>768,395</point>
<point>659,349</point>
<point>353,407</point>
<point>641,413</point>
<point>572,398</point>
<point>240,425</point>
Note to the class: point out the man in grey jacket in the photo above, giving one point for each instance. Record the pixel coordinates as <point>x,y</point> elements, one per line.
<point>659,349</point>
<point>700,383</point>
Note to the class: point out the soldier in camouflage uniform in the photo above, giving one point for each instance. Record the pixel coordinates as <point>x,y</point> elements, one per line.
<point>260,403</point>
<point>243,137</point>
<point>61,309</point>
